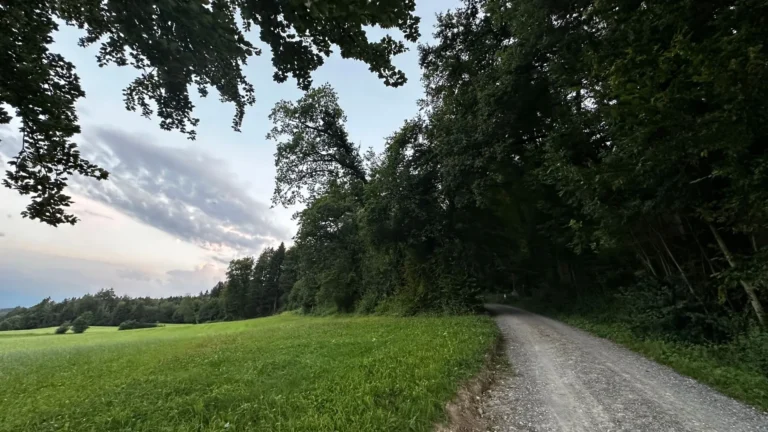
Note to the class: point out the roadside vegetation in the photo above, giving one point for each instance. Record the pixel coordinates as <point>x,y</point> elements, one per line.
<point>282,373</point>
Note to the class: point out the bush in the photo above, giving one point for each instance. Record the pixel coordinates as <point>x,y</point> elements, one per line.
<point>81,324</point>
<point>133,324</point>
<point>665,308</point>
<point>63,328</point>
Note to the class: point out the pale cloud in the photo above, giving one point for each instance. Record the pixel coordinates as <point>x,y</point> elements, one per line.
<point>222,259</point>
<point>184,192</point>
<point>38,275</point>
<point>133,274</point>
<point>200,278</point>
<point>96,214</point>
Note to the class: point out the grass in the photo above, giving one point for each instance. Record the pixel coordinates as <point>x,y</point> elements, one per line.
<point>284,373</point>
<point>50,331</point>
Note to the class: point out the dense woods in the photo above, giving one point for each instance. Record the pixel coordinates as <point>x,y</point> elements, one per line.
<point>607,154</point>
<point>602,154</point>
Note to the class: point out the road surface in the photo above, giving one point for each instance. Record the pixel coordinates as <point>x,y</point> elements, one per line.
<point>567,380</point>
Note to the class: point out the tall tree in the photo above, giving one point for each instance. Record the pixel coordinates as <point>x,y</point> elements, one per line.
<point>313,147</point>
<point>238,286</point>
<point>258,298</point>
<point>272,281</point>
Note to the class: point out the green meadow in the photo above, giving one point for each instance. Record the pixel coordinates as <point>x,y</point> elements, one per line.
<point>283,373</point>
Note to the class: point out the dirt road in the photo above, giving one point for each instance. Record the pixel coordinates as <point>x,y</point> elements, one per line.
<point>567,380</point>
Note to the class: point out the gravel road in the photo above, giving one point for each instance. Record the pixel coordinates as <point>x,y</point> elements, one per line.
<point>567,380</point>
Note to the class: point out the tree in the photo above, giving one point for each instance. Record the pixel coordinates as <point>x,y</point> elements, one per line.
<point>272,281</point>
<point>174,45</point>
<point>122,312</point>
<point>81,323</point>
<point>105,307</point>
<point>236,294</point>
<point>288,275</point>
<point>186,313</point>
<point>63,328</point>
<point>210,310</point>
<point>313,147</point>
<point>258,300</point>
<point>217,290</point>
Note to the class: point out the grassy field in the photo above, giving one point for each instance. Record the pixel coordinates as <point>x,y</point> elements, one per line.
<point>284,373</point>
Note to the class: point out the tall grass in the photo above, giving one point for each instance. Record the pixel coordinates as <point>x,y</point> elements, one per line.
<point>285,373</point>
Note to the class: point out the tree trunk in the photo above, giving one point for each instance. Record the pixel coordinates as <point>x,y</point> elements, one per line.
<point>680,269</point>
<point>748,288</point>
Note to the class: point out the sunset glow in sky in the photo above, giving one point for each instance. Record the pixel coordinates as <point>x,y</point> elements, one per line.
<point>174,211</point>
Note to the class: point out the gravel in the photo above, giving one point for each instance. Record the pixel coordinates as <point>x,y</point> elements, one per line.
<point>567,380</point>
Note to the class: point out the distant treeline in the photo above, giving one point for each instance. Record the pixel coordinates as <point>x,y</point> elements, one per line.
<point>108,309</point>
<point>254,287</point>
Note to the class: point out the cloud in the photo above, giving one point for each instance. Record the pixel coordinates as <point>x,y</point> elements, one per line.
<point>201,278</point>
<point>183,192</point>
<point>35,275</point>
<point>96,214</point>
<point>222,259</point>
<point>133,274</point>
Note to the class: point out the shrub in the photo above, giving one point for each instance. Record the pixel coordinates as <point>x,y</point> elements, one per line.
<point>133,324</point>
<point>80,324</point>
<point>63,328</point>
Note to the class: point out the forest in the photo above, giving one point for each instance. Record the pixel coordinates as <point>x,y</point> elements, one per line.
<point>607,155</point>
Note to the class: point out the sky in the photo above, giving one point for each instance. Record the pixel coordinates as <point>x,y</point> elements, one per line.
<point>175,212</point>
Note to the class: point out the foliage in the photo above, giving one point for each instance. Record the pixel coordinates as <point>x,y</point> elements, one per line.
<point>280,373</point>
<point>81,323</point>
<point>133,324</point>
<point>565,150</point>
<point>258,287</point>
<point>63,328</point>
<point>210,311</point>
<point>109,309</point>
<point>175,46</point>
<point>313,147</point>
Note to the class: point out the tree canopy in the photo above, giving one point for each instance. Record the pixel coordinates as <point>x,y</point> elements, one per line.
<point>174,45</point>
<point>614,151</point>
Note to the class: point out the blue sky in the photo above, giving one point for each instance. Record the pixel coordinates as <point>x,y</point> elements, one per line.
<point>176,211</point>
